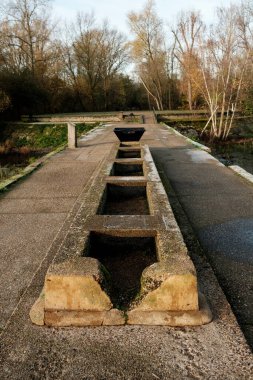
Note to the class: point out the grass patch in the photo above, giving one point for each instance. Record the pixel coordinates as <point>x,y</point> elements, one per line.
<point>37,135</point>
<point>21,143</point>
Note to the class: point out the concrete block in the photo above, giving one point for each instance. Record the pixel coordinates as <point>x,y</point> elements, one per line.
<point>172,318</point>
<point>76,285</point>
<point>72,136</point>
<point>37,313</point>
<point>166,288</point>
<point>75,290</point>
<point>111,317</point>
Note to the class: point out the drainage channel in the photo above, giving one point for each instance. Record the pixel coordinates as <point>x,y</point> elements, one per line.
<point>124,259</point>
<point>124,200</point>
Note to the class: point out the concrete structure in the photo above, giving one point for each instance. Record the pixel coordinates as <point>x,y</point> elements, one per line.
<point>72,136</point>
<point>75,287</point>
<point>35,217</point>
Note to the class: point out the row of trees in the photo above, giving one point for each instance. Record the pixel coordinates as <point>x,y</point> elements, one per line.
<point>212,64</point>
<point>79,67</point>
<point>83,66</point>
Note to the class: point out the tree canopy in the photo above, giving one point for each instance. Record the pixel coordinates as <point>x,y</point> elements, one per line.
<point>48,66</point>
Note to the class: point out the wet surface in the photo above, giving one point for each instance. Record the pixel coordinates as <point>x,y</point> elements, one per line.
<point>234,237</point>
<point>218,204</point>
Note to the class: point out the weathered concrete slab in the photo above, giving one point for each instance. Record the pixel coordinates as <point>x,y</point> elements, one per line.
<point>198,316</point>
<point>213,351</point>
<point>72,136</point>
<point>31,214</point>
<point>165,287</point>
<point>218,204</point>
<point>36,205</point>
<point>112,317</point>
<point>132,225</point>
<point>23,246</point>
<point>127,181</point>
<point>128,161</point>
<point>76,285</point>
<point>169,285</point>
<point>68,179</point>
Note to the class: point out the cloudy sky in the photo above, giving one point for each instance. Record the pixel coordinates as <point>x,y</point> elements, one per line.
<point>116,10</point>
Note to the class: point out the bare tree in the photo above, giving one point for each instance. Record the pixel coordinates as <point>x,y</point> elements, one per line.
<point>115,54</point>
<point>25,34</point>
<point>187,32</point>
<point>93,57</point>
<point>224,63</point>
<point>148,51</point>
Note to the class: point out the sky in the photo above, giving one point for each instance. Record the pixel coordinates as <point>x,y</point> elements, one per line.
<point>116,10</point>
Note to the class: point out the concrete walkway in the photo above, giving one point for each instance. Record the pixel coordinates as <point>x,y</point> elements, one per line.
<point>219,206</point>
<point>34,218</point>
<point>33,211</point>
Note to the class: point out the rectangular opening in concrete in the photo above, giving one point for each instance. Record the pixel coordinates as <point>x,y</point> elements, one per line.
<point>135,153</point>
<point>125,258</point>
<point>124,200</point>
<point>129,144</point>
<point>129,134</point>
<point>127,169</point>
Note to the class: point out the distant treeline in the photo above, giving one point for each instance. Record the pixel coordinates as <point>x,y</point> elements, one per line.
<point>49,67</point>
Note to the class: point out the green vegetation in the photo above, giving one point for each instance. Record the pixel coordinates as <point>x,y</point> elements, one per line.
<point>21,144</point>
<point>37,136</point>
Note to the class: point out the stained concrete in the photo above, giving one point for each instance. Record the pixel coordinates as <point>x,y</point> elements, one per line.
<point>214,351</point>
<point>32,213</point>
<point>172,287</point>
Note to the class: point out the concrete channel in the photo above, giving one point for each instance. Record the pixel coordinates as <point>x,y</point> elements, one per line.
<point>72,222</point>
<point>123,260</point>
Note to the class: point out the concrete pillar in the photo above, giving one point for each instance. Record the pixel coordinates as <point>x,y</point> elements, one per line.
<point>72,136</point>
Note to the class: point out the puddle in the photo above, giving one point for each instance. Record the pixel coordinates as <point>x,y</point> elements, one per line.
<point>125,259</point>
<point>125,200</point>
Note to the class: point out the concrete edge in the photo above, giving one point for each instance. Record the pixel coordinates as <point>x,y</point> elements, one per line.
<point>36,313</point>
<point>199,317</point>
<point>242,172</point>
<point>65,318</point>
<point>198,145</point>
<point>76,239</point>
